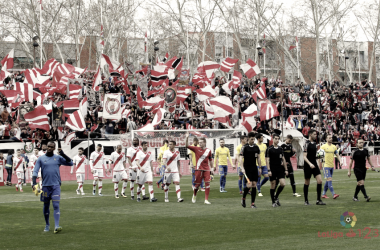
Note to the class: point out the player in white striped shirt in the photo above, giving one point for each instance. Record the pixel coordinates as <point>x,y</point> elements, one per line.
<point>119,171</point>
<point>144,161</point>
<point>32,161</point>
<point>18,169</point>
<point>172,170</point>
<point>79,163</point>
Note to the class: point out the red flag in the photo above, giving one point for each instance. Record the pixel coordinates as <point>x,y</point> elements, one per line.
<point>294,44</point>
<point>38,119</point>
<point>268,110</point>
<point>227,64</point>
<point>7,62</point>
<point>250,68</point>
<point>76,121</point>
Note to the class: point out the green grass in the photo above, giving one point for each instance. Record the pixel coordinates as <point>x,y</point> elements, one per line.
<point>107,223</point>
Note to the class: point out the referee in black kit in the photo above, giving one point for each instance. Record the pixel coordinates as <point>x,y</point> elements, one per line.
<point>277,169</point>
<point>250,153</point>
<point>360,156</point>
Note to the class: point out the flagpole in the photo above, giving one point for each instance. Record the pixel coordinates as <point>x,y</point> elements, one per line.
<point>359,61</point>
<point>41,34</point>
<point>188,54</point>
<point>101,24</point>
<point>88,148</point>
<point>282,117</point>
<point>264,64</point>
<point>298,61</point>
<point>328,58</point>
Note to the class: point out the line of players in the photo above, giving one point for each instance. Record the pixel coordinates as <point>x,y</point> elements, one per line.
<point>276,159</point>
<point>140,170</point>
<point>20,166</point>
<point>278,165</point>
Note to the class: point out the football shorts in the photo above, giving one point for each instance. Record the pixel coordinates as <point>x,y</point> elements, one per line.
<point>144,177</point>
<point>223,169</point>
<point>20,175</point>
<point>169,177</point>
<point>200,174</point>
<point>308,172</point>
<point>239,171</point>
<point>360,174</point>
<point>80,178</point>
<point>162,170</point>
<point>50,193</point>
<point>277,174</point>
<point>328,172</point>
<point>264,170</point>
<point>119,176</point>
<point>38,175</point>
<point>98,173</point>
<point>132,175</point>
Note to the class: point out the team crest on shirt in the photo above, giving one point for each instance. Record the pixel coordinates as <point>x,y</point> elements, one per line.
<point>54,159</point>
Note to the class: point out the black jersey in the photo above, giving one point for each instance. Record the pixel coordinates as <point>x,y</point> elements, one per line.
<point>275,156</point>
<point>360,158</point>
<point>250,155</point>
<point>311,150</point>
<point>288,151</point>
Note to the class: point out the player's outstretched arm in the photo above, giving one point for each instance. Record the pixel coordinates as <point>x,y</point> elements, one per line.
<point>187,139</point>
<point>229,158</point>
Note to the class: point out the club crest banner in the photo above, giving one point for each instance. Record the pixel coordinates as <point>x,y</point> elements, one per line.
<point>112,106</point>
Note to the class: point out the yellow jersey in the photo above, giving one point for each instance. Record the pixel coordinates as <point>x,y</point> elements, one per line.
<point>162,150</point>
<point>192,155</point>
<point>238,150</point>
<point>329,155</point>
<point>263,149</point>
<point>222,154</point>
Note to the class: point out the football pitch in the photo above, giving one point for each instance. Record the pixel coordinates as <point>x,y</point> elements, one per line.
<point>93,222</point>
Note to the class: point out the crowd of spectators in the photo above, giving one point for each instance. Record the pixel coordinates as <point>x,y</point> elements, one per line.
<point>348,112</point>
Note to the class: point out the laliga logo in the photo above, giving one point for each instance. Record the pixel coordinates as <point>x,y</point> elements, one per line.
<point>348,219</point>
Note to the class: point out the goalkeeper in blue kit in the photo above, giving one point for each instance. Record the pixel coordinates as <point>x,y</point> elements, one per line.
<point>51,182</point>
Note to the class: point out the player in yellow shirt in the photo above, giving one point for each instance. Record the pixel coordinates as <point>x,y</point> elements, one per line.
<point>264,169</point>
<point>222,153</point>
<point>193,163</point>
<point>242,182</point>
<point>160,163</point>
<point>328,168</point>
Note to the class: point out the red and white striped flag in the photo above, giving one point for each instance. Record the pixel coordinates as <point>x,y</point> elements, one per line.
<point>205,93</point>
<point>227,64</point>
<point>13,96</point>
<point>199,134</point>
<point>83,106</point>
<point>234,83</point>
<point>69,138</point>
<point>97,80</point>
<point>209,110</point>
<point>7,62</point>
<point>113,65</point>
<point>74,91</point>
<point>26,89</point>
<point>224,120</point>
<point>158,116</point>
<point>250,68</point>
<point>76,121</point>
<point>268,110</point>
<point>222,106</point>
<point>37,118</point>
<point>183,93</point>
<point>260,93</point>
<point>49,67</point>
<point>208,67</point>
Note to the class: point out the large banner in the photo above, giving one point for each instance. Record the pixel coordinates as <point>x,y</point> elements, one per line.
<point>112,106</point>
